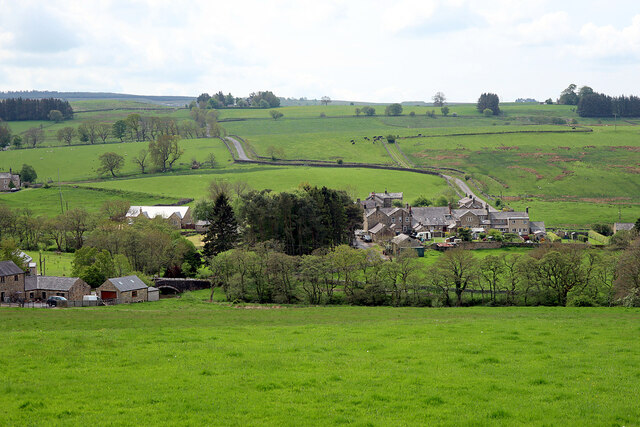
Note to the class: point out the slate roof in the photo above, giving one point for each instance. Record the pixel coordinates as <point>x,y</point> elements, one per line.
<point>49,283</point>
<point>378,227</point>
<point>8,175</point>
<point>537,226</point>
<point>127,283</point>
<point>624,226</point>
<point>9,268</point>
<point>509,215</point>
<point>400,238</point>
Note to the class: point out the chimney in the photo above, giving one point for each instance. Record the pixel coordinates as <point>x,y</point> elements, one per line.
<point>449,208</point>
<point>527,210</point>
<point>406,206</point>
<point>486,205</point>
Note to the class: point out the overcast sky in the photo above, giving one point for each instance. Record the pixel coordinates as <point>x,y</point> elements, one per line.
<point>377,51</point>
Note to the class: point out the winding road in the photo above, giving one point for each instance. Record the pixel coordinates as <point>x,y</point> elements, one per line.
<point>239,148</point>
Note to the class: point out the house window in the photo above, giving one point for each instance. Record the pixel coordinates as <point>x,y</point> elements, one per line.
<point>393,219</point>
<point>134,294</point>
<point>2,279</point>
<point>15,278</point>
<point>60,294</point>
<point>468,219</point>
<point>44,295</point>
<point>31,295</point>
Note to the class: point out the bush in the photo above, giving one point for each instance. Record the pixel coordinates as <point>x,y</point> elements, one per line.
<point>488,112</point>
<point>582,301</point>
<point>323,115</point>
<point>339,161</point>
<point>632,299</point>
<point>412,114</point>
<point>391,139</point>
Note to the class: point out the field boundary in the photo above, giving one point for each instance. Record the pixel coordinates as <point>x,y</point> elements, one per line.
<point>585,130</point>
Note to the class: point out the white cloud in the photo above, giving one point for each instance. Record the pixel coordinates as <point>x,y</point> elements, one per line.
<point>360,49</point>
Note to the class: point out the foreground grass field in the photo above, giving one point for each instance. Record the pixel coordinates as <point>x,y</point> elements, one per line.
<point>191,363</point>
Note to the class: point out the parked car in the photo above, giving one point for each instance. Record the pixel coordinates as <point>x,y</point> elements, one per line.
<point>92,300</point>
<point>54,301</point>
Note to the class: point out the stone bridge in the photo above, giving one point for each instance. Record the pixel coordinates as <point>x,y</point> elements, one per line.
<point>180,285</point>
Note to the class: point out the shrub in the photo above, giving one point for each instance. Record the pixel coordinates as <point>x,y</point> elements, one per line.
<point>339,161</point>
<point>488,112</point>
<point>391,139</point>
<point>632,299</point>
<point>582,301</point>
<point>323,115</point>
<point>412,114</point>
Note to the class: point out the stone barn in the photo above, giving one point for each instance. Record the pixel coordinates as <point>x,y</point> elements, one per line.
<point>43,287</point>
<point>11,281</point>
<point>123,289</point>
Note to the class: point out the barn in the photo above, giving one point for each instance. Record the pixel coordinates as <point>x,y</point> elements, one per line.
<point>43,287</point>
<point>123,290</point>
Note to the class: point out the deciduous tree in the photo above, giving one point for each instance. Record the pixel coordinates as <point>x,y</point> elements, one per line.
<point>165,151</point>
<point>110,162</point>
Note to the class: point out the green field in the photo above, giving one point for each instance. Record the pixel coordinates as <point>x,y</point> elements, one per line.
<point>357,182</point>
<point>46,201</point>
<point>189,362</point>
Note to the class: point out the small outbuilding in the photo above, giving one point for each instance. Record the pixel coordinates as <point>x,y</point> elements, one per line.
<point>402,242</point>
<point>153,294</point>
<point>123,290</point>
<point>43,287</point>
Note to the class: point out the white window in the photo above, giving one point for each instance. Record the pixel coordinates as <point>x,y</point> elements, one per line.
<point>393,219</point>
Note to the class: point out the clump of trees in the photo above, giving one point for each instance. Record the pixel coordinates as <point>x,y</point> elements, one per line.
<point>261,99</point>
<point>19,109</point>
<point>393,109</point>
<point>488,101</point>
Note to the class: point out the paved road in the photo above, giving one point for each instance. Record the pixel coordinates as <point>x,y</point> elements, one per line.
<point>465,188</point>
<point>241,154</point>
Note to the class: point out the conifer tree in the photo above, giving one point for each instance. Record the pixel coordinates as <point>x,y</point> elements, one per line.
<point>223,229</point>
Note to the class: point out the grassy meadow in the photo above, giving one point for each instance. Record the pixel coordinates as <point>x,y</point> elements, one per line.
<point>357,182</point>
<point>568,178</point>
<point>186,361</point>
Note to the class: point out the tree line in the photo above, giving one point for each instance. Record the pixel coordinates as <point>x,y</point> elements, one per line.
<point>19,109</point>
<point>555,274</point>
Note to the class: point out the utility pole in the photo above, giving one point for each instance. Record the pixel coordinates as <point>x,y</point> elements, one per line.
<point>60,193</point>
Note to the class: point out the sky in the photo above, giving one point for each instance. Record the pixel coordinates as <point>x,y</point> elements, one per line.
<point>372,51</point>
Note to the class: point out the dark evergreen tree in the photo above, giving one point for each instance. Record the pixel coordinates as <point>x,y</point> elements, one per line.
<point>490,101</point>
<point>223,229</point>
<point>16,109</point>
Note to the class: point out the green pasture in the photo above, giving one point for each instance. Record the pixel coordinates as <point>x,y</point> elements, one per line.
<point>81,162</point>
<point>185,361</point>
<point>356,181</point>
<point>55,264</point>
<point>46,201</point>
<point>103,104</point>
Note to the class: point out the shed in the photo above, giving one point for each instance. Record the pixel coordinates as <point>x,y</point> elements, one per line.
<point>153,294</point>
<point>403,241</point>
<point>123,289</point>
<point>42,287</point>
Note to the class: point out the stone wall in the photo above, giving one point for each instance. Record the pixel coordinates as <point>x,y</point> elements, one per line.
<point>11,287</point>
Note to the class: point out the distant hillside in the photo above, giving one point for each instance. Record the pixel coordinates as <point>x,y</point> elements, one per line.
<point>86,96</point>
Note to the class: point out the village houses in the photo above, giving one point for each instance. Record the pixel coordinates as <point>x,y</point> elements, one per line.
<point>383,221</point>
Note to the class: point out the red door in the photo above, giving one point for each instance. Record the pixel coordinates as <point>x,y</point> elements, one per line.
<point>108,295</point>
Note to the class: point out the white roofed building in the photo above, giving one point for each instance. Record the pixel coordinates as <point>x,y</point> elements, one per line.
<point>178,216</point>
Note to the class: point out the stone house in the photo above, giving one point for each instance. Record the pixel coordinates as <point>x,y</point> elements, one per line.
<point>382,200</point>
<point>440,220</point>
<point>124,289</point>
<point>7,179</point>
<point>403,242</point>
<point>178,216</point>
<point>11,281</point>
<point>43,287</point>
<point>470,203</point>
<point>381,233</point>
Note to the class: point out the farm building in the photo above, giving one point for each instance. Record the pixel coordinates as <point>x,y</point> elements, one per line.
<point>178,216</point>
<point>9,181</point>
<point>153,294</point>
<point>123,289</point>
<point>619,226</point>
<point>402,242</point>
<point>43,287</point>
<point>11,281</point>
